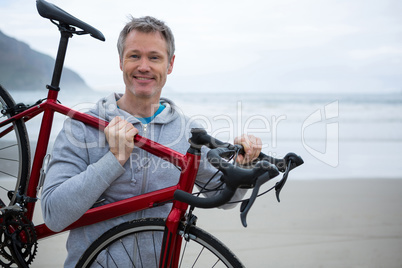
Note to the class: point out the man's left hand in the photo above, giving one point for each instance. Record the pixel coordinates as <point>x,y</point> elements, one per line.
<point>252,148</point>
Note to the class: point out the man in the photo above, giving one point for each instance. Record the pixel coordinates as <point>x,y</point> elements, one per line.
<point>90,168</point>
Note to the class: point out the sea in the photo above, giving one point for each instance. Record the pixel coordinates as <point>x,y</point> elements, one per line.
<point>339,136</point>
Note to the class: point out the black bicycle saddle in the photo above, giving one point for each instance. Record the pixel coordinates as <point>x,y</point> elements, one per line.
<point>52,12</point>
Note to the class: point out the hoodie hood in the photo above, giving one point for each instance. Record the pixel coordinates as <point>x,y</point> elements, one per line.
<point>107,109</point>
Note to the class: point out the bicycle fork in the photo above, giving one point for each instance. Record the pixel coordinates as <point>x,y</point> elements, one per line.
<point>171,243</point>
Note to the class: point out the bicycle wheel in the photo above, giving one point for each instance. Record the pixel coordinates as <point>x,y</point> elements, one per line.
<point>14,152</point>
<point>137,244</point>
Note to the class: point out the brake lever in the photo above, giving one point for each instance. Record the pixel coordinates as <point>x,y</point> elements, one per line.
<point>279,185</point>
<point>292,160</point>
<point>248,203</point>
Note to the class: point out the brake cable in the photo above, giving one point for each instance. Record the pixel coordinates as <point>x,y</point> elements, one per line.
<point>278,186</point>
<point>218,187</point>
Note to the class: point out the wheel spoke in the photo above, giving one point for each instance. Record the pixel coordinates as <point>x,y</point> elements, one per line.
<point>14,176</point>
<point>199,254</point>
<point>202,251</point>
<point>8,159</point>
<point>155,251</point>
<point>182,253</point>
<point>111,257</point>
<point>100,264</point>
<point>138,248</point>
<point>128,254</point>
<point>9,146</point>
<point>217,261</point>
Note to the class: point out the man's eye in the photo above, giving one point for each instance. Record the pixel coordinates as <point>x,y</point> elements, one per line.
<point>134,56</point>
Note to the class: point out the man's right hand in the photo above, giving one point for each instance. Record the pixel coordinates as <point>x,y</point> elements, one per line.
<point>120,136</point>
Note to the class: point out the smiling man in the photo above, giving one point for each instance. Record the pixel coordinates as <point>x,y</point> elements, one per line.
<point>145,63</point>
<point>91,168</point>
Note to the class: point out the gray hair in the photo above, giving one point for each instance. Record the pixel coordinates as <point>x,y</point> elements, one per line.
<point>147,25</point>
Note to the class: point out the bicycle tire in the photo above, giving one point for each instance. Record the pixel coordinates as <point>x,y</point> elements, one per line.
<point>129,234</point>
<point>14,152</point>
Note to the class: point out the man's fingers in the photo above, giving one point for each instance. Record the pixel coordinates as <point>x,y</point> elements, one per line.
<point>252,147</point>
<point>114,121</point>
<point>120,137</point>
<point>129,132</point>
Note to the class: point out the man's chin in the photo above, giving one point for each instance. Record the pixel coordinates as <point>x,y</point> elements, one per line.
<point>146,94</point>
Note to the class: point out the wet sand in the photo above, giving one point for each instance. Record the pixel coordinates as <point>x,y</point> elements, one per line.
<point>327,223</point>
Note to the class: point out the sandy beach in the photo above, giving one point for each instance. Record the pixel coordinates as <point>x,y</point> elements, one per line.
<point>319,223</point>
<point>325,222</point>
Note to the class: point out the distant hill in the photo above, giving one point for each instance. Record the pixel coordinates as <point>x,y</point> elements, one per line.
<point>22,68</point>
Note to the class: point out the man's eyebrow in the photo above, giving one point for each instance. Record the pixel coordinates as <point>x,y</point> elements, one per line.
<point>155,52</point>
<point>133,51</point>
<point>149,52</point>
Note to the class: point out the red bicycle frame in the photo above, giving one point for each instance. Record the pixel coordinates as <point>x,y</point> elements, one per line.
<point>188,164</point>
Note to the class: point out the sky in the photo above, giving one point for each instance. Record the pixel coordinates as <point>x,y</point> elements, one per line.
<point>314,46</point>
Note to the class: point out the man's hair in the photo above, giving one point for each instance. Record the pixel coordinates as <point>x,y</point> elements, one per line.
<point>147,25</point>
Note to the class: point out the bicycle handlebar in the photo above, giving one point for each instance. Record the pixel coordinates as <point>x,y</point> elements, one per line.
<point>235,177</point>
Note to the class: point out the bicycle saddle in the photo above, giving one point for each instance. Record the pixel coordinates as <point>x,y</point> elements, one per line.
<point>52,12</point>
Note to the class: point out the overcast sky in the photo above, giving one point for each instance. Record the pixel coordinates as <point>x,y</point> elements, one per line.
<point>268,45</point>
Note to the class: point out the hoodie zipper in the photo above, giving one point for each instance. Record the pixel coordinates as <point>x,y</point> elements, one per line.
<point>145,169</point>
<point>144,128</point>
<point>145,155</point>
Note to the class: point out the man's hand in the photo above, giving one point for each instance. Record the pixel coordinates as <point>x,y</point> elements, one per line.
<point>252,148</point>
<point>120,136</point>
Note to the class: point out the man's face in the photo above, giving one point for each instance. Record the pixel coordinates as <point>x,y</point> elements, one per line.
<point>145,64</point>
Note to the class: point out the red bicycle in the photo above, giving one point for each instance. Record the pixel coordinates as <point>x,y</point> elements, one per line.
<point>170,236</point>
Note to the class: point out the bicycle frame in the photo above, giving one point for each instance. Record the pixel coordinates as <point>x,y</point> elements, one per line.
<point>188,164</point>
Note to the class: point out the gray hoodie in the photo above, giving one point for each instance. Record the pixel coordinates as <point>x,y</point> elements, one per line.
<point>83,173</point>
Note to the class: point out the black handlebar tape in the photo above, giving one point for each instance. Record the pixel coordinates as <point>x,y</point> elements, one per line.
<point>294,159</point>
<point>279,163</point>
<point>214,157</point>
<point>211,202</point>
<point>200,137</point>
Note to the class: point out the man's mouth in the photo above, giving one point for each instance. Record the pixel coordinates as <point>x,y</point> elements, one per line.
<point>143,78</point>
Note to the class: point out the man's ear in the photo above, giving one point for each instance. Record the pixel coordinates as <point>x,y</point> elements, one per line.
<point>171,63</point>
<point>121,63</point>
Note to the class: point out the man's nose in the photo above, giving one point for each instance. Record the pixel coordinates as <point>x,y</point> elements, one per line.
<point>144,65</point>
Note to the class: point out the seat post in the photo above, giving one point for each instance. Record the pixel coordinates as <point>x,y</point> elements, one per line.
<point>61,53</point>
